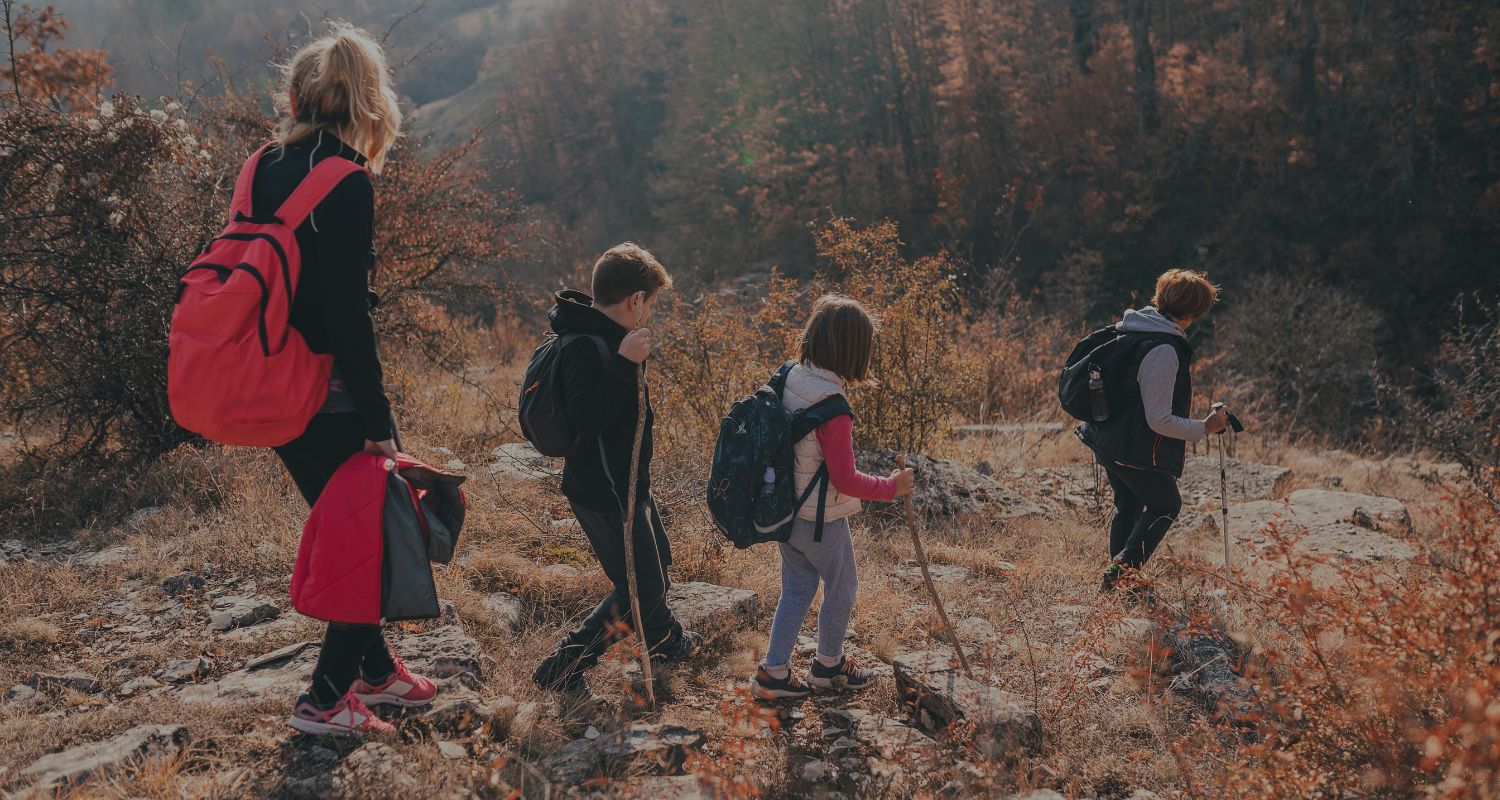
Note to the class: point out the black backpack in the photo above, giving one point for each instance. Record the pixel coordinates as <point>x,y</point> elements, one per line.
<point>1108,359</point>
<point>751,490</point>
<point>544,422</point>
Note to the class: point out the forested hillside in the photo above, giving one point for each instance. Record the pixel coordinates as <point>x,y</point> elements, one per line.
<point>1083,145</point>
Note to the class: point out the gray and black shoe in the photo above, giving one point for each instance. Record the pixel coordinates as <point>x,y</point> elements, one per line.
<point>679,648</point>
<point>847,674</point>
<point>766,687</point>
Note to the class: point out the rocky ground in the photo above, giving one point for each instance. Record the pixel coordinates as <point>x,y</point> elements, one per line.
<point>129,676</point>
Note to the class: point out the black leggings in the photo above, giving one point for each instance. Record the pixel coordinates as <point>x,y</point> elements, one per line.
<point>312,458</point>
<point>1146,505</point>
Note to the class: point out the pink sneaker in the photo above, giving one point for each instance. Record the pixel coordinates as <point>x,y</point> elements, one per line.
<point>401,689</point>
<point>349,717</point>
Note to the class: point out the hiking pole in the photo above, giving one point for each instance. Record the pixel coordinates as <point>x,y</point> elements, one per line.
<point>1234,422</point>
<point>916,542</point>
<point>635,467</point>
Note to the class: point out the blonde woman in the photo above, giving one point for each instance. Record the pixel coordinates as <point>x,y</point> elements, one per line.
<point>337,102</point>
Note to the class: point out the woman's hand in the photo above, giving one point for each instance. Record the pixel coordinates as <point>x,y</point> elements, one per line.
<point>386,447</point>
<point>637,345</point>
<point>905,478</point>
<point>1216,422</point>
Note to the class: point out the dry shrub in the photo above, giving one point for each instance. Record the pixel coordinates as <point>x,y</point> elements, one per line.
<point>1375,685</point>
<point>713,351</point>
<point>1462,421</point>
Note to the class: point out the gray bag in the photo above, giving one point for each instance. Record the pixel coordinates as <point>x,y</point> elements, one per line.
<point>424,510</point>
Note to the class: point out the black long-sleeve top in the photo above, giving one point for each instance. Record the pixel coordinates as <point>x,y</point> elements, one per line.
<point>332,304</point>
<point>600,403</point>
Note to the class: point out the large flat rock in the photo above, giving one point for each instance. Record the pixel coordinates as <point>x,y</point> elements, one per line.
<point>1356,526</point>
<point>940,696</point>
<point>102,758</point>
<point>612,754</point>
<point>711,609</point>
<point>948,488</point>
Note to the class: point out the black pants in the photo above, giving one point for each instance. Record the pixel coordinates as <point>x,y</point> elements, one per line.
<point>582,648</point>
<point>1146,505</point>
<point>312,458</point>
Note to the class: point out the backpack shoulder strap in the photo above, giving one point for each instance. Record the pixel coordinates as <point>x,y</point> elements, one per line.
<point>310,192</point>
<point>598,341</point>
<point>240,203</point>
<point>778,380</point>
<point>808,419</point>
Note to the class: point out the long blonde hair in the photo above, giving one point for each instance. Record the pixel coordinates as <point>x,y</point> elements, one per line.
<point>342,85</point>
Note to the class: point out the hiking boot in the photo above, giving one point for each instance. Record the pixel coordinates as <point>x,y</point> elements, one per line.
<point>766,687</point>
<point>679,648</point>
<point>847,674</point>
<point>402,688</point>
<point>348,717</point>
<point>1111,578</point>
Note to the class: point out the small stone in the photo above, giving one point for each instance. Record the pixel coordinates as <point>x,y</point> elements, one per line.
<point>452,750</point>
<point>815,771</point>
<point>241,611</point>
<point>185,669</point>
<point>141,684</point>
<point>561,571</point>
<point>591,733</point>
<point>505,610</point>
<point>20,694</point>
<point>521,461</point>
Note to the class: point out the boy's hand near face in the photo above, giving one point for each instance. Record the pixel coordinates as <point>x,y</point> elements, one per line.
<point>637,345</point>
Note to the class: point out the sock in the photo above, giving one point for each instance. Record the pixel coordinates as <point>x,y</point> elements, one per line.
<point>830,661</point>
<point>779,673</point>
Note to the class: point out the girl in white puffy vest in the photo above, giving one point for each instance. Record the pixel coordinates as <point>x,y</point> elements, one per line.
<point>834,349</point>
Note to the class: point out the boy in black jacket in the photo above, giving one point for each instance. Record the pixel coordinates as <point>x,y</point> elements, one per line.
<point>601,405</point>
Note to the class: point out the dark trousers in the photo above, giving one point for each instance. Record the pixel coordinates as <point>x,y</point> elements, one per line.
<point>312,458</point>
<point>1146,505</point>
<point>582,648</point>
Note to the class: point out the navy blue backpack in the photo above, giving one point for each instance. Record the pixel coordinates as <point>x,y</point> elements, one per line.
<point>751,492</point>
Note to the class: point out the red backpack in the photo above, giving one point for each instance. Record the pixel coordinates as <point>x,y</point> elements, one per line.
<point>237,372</point>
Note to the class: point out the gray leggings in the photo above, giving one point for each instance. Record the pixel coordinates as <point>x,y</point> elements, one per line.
<point>803,563</point>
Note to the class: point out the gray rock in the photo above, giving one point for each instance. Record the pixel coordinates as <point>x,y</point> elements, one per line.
<point>452,750</point>
<point>72,680</point>
<point>940,695</point>
<point>101,758</point>
<point>144,683</point>
<point>105,558</point>
<point>241,611</point>
<point>521,461</point>
<point>666,787</point>
<point>948,488</point>
<point>561,571</point>
<point>269,677</point>
<point>1356,526</point>
<point>1204,666</point>
<point>941,573</point>
<point>1009,429</point>
<point>1246,480</point>
<point>445,652</point>
<point>612,753</point>
<point>505,610</point>
<point>185,669</point>
<point>288,627</point>
<point>20,695</point>
<point>179,585</point>
<point>710,609</point>
<point>1037,794</point>
<point>377,767</point>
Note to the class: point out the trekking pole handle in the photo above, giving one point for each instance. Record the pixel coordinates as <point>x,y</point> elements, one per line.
<point>1234,422</point>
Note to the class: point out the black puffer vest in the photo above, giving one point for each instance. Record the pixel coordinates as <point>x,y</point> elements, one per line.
<point>1127,438</point>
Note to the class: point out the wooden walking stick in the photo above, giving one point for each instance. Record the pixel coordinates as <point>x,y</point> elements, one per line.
<point>916,542</point>
<point>635,469</point>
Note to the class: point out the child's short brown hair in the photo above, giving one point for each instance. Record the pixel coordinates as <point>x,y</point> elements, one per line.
<point>1184,294</point>
<point>624,270</point>
<point>839,337</point>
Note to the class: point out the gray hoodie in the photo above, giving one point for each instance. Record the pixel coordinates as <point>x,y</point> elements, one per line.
<point>1158,376</point>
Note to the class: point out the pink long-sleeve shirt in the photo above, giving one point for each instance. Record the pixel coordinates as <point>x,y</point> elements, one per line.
<point>836,438</point>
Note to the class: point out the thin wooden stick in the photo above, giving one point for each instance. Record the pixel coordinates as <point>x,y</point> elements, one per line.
<point>635,599</point>
<point>916,542</point>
